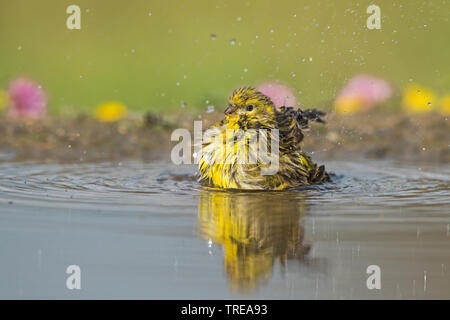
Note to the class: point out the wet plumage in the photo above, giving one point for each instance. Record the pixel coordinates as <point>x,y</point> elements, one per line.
<point>251,116</point>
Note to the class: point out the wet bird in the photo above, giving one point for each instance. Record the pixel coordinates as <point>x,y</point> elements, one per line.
<point>252,139</point>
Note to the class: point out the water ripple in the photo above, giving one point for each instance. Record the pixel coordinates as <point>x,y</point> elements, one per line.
<point>136,183</point>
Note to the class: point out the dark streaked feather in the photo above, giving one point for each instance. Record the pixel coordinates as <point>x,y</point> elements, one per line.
<point>292,122</point>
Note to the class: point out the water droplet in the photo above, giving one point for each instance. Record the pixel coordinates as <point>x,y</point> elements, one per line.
<point>294,15</point>
<point>233,42</point>
<point>257,37</point>
<point>429,104</point>
<point>418,91</point>
<point>423,148</point>
<point>213,36</point>
<point>245,69</point>
<point>178,84</point>
<point>424,281</point>
<point>310,58</point>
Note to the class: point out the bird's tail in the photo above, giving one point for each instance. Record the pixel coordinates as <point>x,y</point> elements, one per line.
<point>318,175</point>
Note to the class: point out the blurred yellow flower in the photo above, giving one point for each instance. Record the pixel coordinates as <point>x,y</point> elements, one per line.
<point>110,111</point>
<point>445,105</point>
<point>346,105</point>
<point>4,99</point>
<point>418,99</point>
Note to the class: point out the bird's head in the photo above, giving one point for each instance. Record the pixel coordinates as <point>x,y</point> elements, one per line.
<point>250,109</point>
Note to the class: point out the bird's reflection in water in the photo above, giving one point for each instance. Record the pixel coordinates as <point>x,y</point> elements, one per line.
<point>255,230</point>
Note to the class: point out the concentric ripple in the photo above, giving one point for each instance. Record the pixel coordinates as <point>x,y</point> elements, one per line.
<point>136,183</point>
<point>150,228</point>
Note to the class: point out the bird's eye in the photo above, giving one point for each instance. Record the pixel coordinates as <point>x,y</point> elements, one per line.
<point>249,107</point>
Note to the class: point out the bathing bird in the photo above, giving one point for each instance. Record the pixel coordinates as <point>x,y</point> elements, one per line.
<point>257,146</point>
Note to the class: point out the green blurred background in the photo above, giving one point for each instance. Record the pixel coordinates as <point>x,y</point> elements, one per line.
<point>157,55</point>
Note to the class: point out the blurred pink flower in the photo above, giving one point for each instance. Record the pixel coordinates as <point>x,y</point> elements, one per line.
<point>27,99</point>
<point>369,90</point>
<point>280,94</point>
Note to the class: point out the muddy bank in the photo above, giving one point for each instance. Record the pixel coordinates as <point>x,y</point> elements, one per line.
<point>84,139</point>
<point>391,136</point>
<point>395,136</point>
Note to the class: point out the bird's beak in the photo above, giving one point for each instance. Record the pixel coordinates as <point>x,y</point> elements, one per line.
<point>230,109</point>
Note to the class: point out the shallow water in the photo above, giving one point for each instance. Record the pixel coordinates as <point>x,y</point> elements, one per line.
<point>147,230</point>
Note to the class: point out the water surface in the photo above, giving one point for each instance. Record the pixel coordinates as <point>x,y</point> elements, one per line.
<point>147,230</point>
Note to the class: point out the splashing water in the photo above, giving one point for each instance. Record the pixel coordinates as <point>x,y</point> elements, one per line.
<point>151,228</point>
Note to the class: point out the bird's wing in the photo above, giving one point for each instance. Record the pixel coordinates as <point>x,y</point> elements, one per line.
<point>292,122</point>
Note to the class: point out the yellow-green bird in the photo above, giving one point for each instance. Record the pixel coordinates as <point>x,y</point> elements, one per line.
<point>252,121</point>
